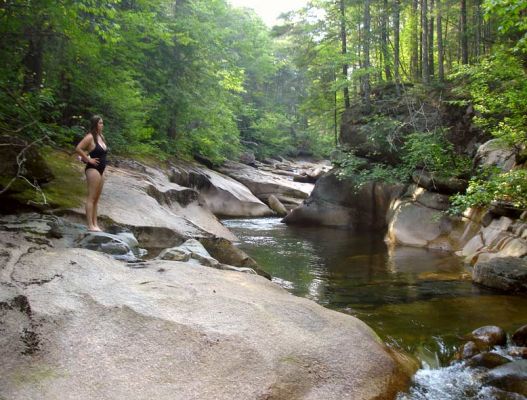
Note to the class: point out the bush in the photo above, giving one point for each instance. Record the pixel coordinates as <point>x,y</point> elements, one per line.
<point>493,186</point>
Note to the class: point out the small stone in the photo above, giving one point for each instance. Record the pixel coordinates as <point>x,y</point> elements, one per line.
<point>490,335</point>
<point>519,338</point>
<point>469,350</point>
<point>517,352</point>
<point>487,360</point>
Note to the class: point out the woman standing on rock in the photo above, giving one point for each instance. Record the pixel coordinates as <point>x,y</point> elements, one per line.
<point>95,160</point>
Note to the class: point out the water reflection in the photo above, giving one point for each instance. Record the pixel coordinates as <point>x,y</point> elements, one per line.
<point>417,299</point>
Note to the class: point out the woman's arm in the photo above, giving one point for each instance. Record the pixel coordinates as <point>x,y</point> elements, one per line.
<point>86,143</point>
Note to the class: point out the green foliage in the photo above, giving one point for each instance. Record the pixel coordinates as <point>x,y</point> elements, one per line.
<point>426,150</point>
<point>511,17</point>
<point>383,134</point>
<point>362,171</point>
<point>493,186</point>
<point>497,87</point>
<point>431,151</point>
<point>271,132</point>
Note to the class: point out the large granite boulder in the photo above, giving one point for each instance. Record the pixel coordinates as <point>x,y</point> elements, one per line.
<point>223,195</point>
<point>77,324</point>
<point>418,219</point>
<point>160,213</point>
<point>336,202</point>
<point>265,183</point>
<point>496,153</point>
<point>435,183</point>
<point>506,273</point>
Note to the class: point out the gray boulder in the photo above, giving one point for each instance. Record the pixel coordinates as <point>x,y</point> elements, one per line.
<point>506,273</point>
<point>511,377</point>
<point>84,326</point>
<point>277,206</point>
<point>519,337</point>
<point>264,183</point>
<point>496,153</point>
<point>337,202</point>
<point>223,195</point>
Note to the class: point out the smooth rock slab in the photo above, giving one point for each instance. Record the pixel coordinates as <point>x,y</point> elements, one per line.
<point>100,330</point>
<point>511,377</point>
<point>507,274</point>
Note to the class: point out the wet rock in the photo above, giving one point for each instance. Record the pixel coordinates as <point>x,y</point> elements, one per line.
<point>498,394</point>
<point>468,350</point>
<point>505,273</point>
<point>519,337</point>
<point>489,335</point>
<point>511,377</point>
<point>515,351</point>
<point>487,360</point>
<point>277,206</point>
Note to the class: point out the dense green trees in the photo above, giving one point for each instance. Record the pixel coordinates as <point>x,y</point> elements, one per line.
<point>187,78</point>
<point>194,77</point>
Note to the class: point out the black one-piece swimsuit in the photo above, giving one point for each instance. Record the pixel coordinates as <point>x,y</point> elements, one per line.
<point>100,153</point>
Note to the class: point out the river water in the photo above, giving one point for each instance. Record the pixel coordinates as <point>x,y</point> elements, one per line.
<point>417,300</point>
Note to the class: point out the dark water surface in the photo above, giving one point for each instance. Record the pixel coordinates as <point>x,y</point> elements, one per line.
<point>419,300</point>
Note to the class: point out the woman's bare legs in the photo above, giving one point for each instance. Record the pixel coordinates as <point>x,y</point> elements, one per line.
<point>94,180</point>
<point>96,202</point>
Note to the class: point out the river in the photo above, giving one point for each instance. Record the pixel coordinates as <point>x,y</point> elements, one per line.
<point>417,300</point>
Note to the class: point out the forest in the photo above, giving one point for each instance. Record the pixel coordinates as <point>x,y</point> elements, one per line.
<point>195,78</point>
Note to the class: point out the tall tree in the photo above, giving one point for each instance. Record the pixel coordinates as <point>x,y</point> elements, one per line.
<point>396,43</point>
<point>343,40</point>
<point>414,34</point>
<point>431,38</point>
<point>384,41</point>
<point>440,50</point>
<point>366,53</point>
<point>463,31</point>
<point>424,42</point>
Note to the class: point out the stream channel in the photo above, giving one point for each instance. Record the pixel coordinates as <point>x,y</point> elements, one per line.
<point>417,300</point>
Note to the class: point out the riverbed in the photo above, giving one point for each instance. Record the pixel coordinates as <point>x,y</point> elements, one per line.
<point>417,300</point>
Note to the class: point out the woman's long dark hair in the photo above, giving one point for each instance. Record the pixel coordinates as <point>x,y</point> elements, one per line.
<point>94,121</point>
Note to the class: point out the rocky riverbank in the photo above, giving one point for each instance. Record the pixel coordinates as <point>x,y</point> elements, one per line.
<point>77,323</point>
<point>415,215</point>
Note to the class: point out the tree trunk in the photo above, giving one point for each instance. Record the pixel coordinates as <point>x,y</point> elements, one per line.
<point>431,39</point>
<point>463,32</point>
<point>384,42</point>
<point>477,30</point>
<point>171,130</point>
<point>396,45</point>
<point>414,63</point>
<point>33,61</point>
<point>424,42</point>
<point>439,34</point>
<point>366,43</point>
<point>343,40</point>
